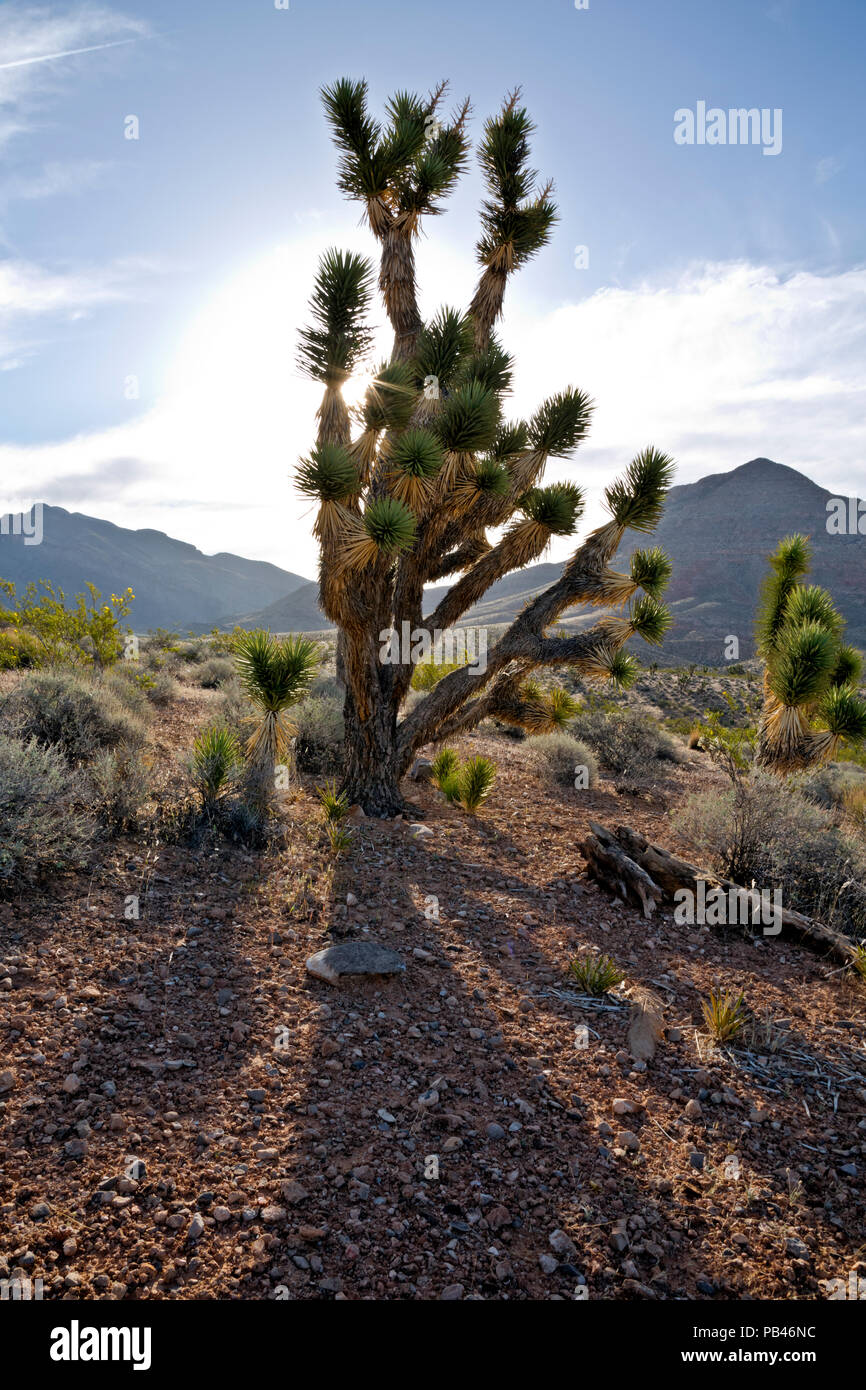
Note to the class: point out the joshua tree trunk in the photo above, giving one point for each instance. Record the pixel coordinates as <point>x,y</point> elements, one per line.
<point>434,465</point>
<point>373,766</point>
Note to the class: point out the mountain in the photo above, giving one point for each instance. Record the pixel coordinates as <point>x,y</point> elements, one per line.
<point>175,585</point>
<point>718,533</point>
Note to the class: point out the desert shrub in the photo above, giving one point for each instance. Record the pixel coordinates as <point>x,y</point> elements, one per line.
<point>562,754</point>
<point>234,709</point>
<point>18,650</point>
<point>831,784</point>
<point>73,712</point>
<point>160,639</point>
<point>626,742</point>
<point>319,740</point>
<point>161,689</point>
<point>759,830</point>
<point>86,633</point>
<point>214,672</point>
<point>118,788</point>
<point>429,673</point>
<point>42,825</point>
<point>193,651</point>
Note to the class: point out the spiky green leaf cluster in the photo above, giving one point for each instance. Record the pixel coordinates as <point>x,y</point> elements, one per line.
<point>510,441</point>
<point>557,506</point>
<point>651,570</point>
<point>514,221</point>
<point>560,423</point>
<point>788,563</point>
<point>390,524</point>
<point>650,619</point>
<point>417,453</point>
<point>491,478</point>
<point>636,499</point>
<point>390,397</point>
<point>493,368</point>
<point>328,475</point>
<point>339,337</point>
<point>443,345</point>
<point>468,419</point>
<point>275,672</point>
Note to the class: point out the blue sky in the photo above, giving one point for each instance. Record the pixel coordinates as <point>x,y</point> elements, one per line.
<point>720,316</point>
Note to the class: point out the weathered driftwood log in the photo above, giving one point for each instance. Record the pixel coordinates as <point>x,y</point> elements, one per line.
<point>663,874</point>
<point>617,871</point>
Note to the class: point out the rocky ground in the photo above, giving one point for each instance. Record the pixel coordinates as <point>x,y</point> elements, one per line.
<point>187,1113</point>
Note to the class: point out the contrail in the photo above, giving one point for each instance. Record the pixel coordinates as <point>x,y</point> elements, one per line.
<point>70,53</point>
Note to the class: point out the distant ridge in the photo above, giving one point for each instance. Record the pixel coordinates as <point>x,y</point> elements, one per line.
<point>175,585</point>
<point>718,532</point>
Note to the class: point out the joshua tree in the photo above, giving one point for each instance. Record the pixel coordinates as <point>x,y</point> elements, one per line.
<point>434,466</point>
<point>811,675</point>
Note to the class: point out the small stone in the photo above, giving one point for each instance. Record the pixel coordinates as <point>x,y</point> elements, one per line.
<point>495,1131</point>
<point>7,1080</point>
<point>562,1243</point>
<point>352,959</point>
<point>270,1215</point>
<point>351,900</point>
<point>421,770</point>
<point>626,1139</point>
<point>72,1084</point>
<point>40,1211</point>
<point>497,1218</point>
<point>313,1232</point>
<point>548,1264</point>
<point>293,1193</point>
<point>693,1110</point>
<point>221,1214</point>
<point>256,1096</point>
<point>70,1246</point>
<point>795,1247</point>
<point>423,832</point>
<point>196,1227</point>
<point>627,1107</point>
<point>451,1293</point>
<point>697,1161</point>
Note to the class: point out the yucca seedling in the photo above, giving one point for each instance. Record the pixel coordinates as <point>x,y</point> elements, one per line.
<point>858,962</point>
<point>335,804</point>
<point>725,1015</point>
<point>216,753</point>
<point>275,674</point>
<point>340,837</point>
<point>475,780</point>
<point>596,974</point>
<point>444,765</point>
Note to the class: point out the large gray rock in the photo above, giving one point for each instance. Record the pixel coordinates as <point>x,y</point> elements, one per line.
<point>354,958</point>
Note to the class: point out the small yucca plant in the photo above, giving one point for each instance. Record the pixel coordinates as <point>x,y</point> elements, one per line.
<point>596,974</point>
<point>476,778</point>
<point>216,753</point>
<point>275,674</point>
<point>725,1015</point>
<point>335,804</point>
<point>444,766</point>
<point>339,837</point>
<point>810,682</point>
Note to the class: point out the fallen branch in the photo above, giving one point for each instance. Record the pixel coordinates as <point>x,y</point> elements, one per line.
<point>628,864</point>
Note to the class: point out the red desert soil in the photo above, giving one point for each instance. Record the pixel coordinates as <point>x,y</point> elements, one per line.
<point>288,1129</point>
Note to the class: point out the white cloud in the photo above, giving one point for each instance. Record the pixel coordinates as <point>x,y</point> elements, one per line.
<point>34,300</point>
<point>31,32</point>
<point>718,365</point>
